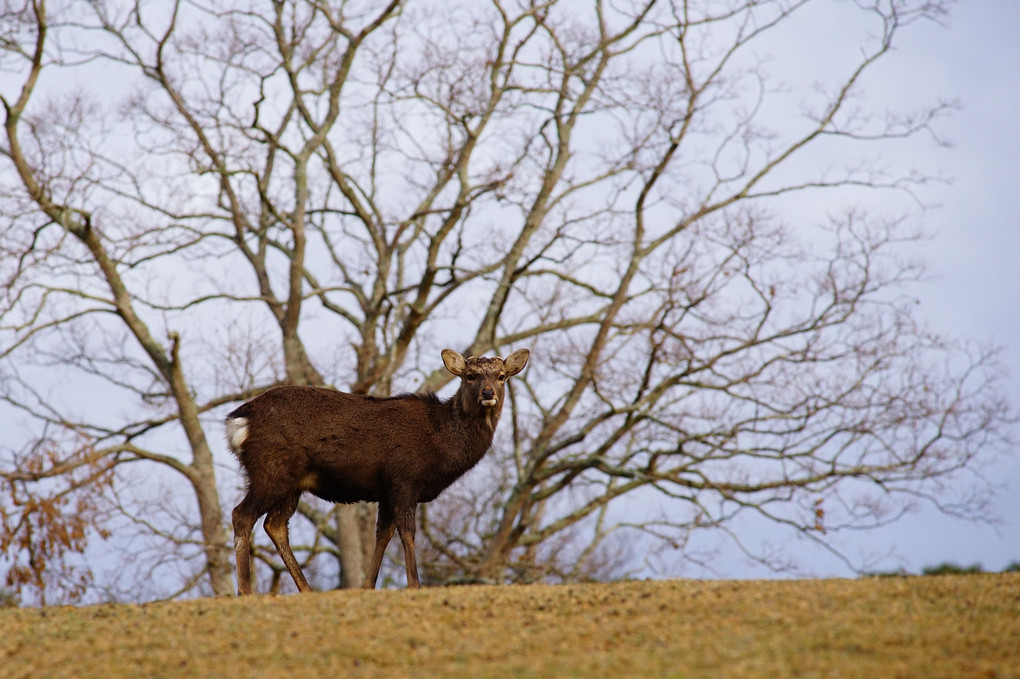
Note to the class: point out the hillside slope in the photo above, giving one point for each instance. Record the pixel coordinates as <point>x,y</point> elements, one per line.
<point>955,626</point>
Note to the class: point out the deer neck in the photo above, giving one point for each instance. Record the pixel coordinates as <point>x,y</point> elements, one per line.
<point>469,431</point>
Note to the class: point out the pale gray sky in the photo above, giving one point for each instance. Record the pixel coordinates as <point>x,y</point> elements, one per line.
<point>975,58</point>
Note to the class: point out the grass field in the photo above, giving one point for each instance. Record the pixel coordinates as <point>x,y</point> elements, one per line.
<point>952,626</point>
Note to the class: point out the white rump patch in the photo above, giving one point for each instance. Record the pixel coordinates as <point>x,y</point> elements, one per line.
<point>237,432</point>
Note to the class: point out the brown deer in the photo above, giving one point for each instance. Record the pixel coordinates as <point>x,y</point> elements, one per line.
<point>397,451</point>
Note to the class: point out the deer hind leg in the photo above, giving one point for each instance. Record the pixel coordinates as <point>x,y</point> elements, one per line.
<point>244,517</point>
<point>276,527</point>
<point>384,527</point>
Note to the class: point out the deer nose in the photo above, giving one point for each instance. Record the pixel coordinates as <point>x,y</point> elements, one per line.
<point>488,394</point>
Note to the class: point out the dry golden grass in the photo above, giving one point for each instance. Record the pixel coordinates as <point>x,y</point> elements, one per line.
<point>955,626</point>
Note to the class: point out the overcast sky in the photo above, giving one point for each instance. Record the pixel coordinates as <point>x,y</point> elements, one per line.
<point>975,59</point>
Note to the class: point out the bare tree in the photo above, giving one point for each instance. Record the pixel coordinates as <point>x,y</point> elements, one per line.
<point>203,199</point>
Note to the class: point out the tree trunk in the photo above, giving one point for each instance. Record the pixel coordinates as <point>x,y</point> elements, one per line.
<point>214,535</point>
<point>352,553</point>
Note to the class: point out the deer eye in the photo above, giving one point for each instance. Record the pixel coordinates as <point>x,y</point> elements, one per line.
<point>470,377</point>
<point>502,378</point>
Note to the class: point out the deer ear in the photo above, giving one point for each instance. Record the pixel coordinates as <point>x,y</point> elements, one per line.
<point>454,362</point>
<point>515,362</point>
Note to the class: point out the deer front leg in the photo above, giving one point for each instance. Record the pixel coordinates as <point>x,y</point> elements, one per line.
<point>405,525</point>
<point>384,528</point>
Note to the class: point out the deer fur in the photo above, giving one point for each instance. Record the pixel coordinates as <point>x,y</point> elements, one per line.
<point>397,451</point>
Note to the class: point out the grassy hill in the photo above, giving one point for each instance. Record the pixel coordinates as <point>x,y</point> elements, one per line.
<point>953,626</point>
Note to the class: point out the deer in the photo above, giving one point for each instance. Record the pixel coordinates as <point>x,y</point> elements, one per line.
<point>399,451</point>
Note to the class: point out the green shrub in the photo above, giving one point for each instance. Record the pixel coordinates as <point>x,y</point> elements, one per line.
<point>949,568</point>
